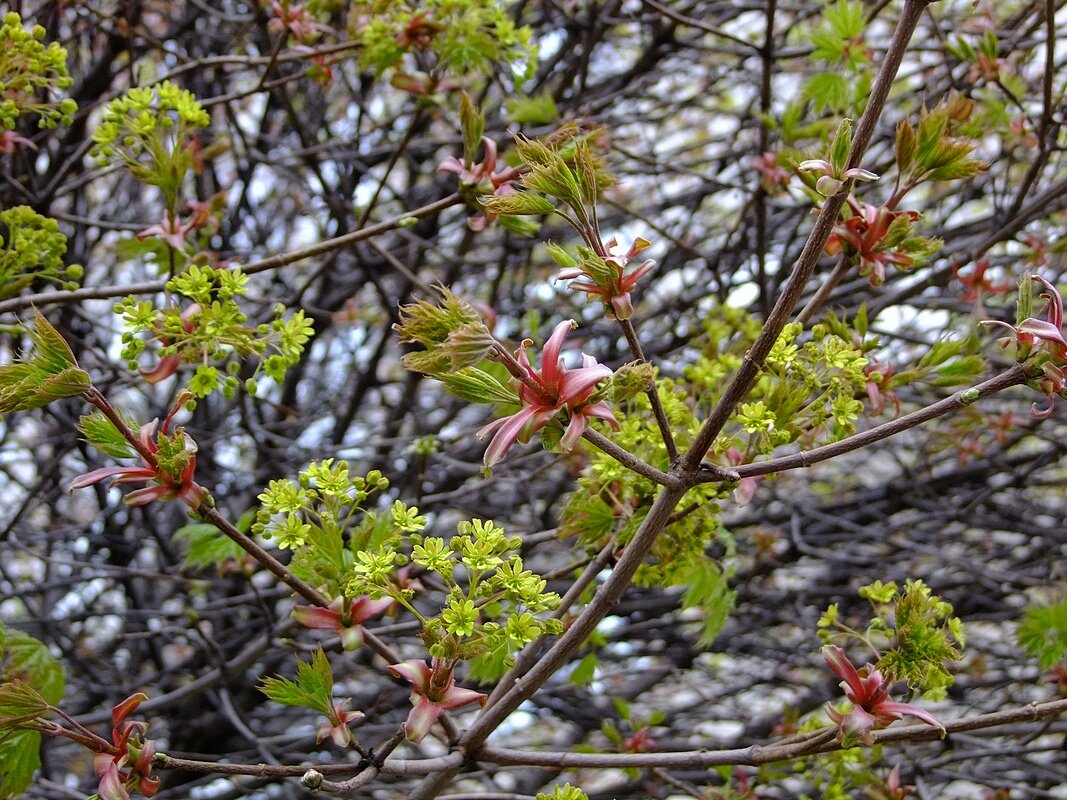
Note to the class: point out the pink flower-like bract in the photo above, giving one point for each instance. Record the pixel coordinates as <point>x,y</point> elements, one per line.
<point>977,284</point>
<point>336,726</point>
<point>1042,337</point>
<point>168,485</point>
<point>548,391</point>
<point>127,763</point>
<point>168,365</point>
<point>333,618</point>
<point>9,140</point>
<point>484,177</point>
<point>615,288</point>
<point>868,691</point>
<point>433,692</point>
<point>863,236</point>
<point>746,487</point>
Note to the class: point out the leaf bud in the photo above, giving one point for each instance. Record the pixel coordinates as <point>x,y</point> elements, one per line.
<point>630,380</point>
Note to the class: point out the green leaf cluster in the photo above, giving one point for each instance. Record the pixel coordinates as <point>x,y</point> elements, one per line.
<point>31,680</point>
<point>933,151</point>
<point>206,547</point>
<point>839,35</point>
<point>838,42</point>
<point>29,71</point>
<point>49,372</point>
<point>1043,633</point>
<point>213,331</point>
<point>533,110</point>
<point>32,248</point>
<point>454,36</point>
<point>914,631</point>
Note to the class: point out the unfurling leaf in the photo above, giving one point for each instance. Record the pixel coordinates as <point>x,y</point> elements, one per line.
<point>476,386</point>
<point>905,147</point>
<point>313,687</point>
<point>841,145</point>
<point>102,434</point>
<point>1043,633</point>
<point>523,203</point>
<point>472,121</point>
<point>49,372</point>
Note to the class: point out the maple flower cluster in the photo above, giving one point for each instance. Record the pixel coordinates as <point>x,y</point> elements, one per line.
<point>545,392</point>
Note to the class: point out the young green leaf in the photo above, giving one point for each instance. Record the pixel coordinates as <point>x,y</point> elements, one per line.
<point>32,680</point>
<point>523,203</point>
<point>49,372</point>
<point>841,145</point>
<point>102,434</point>
<point>313,687</point>
<point>206,546</point>
<point>472,121</point>
<point>905,146</point>
<point>1043,633</point>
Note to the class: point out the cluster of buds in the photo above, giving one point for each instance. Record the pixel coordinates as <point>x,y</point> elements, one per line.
<point>482,179</point>
<point>544,392</point>
<point>168,462</point>
<point>605,277</point>
<point>868,691</point>
<point>1039,343</point>
<point>433,692</point>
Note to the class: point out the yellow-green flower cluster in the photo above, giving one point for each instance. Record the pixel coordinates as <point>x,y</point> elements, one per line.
<point>34,248</point>
<point>30,69</point>
<point>149,131</point>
